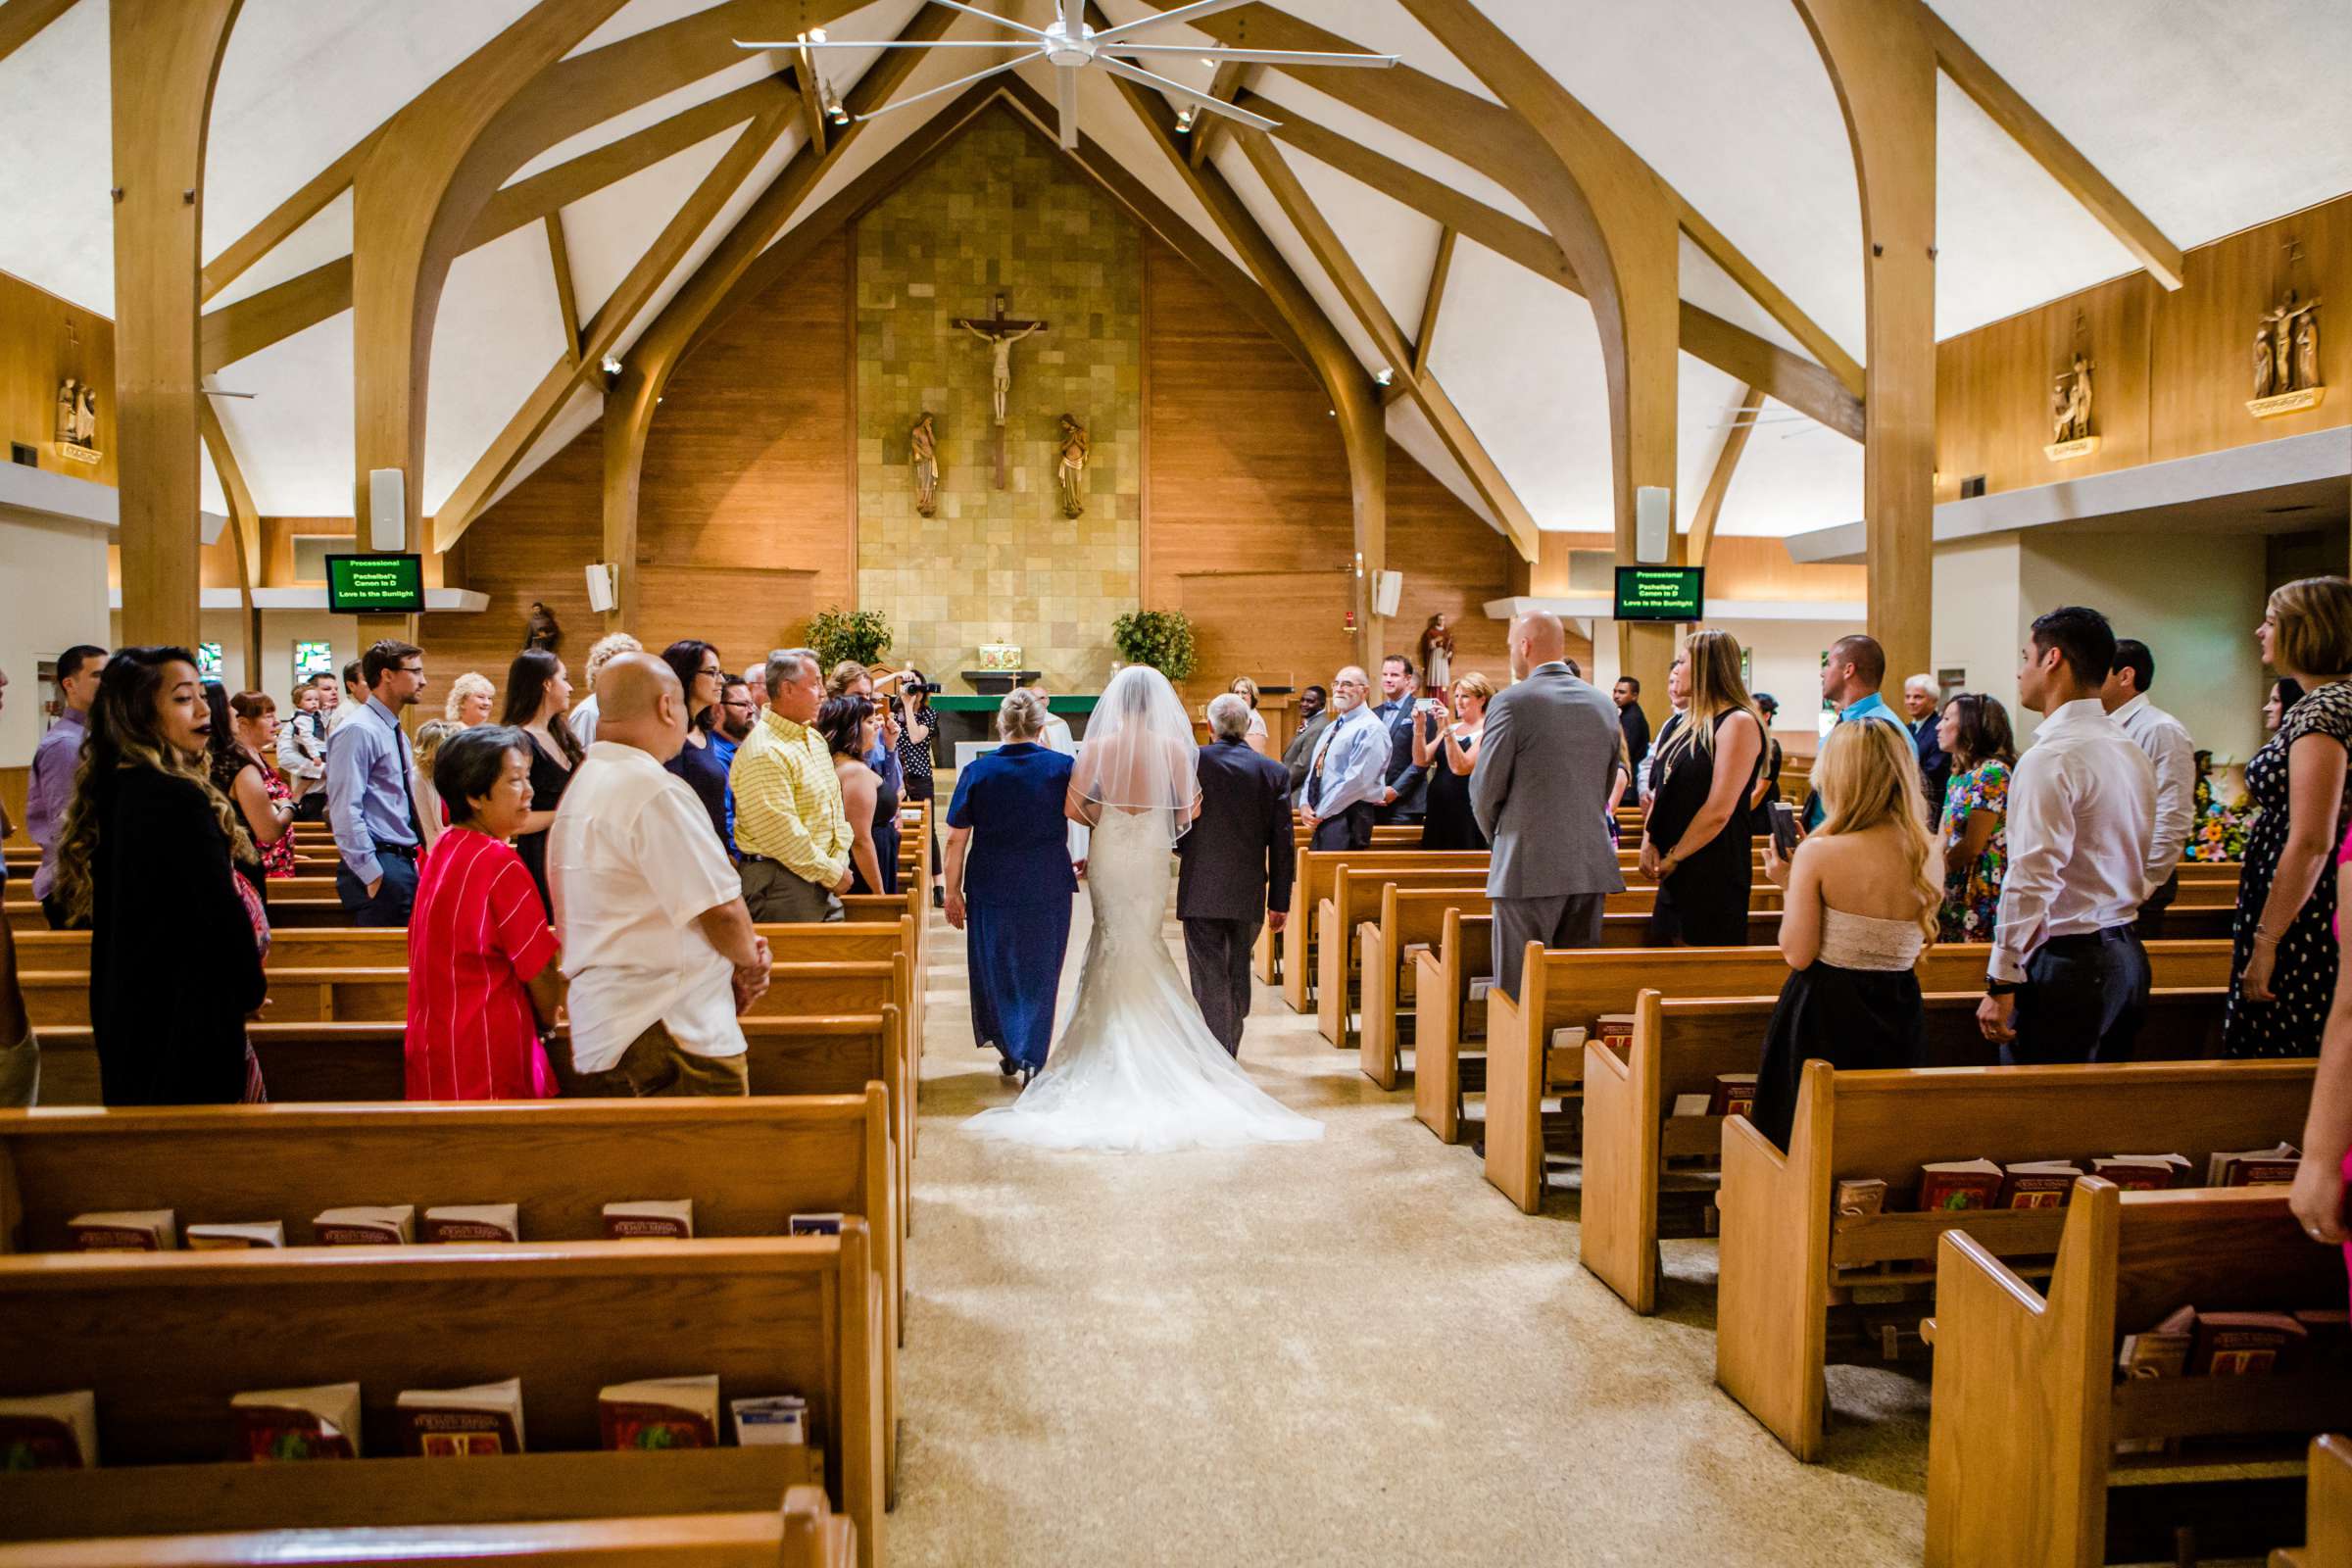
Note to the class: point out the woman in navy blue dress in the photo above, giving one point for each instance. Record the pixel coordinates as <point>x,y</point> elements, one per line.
<point>1011,884</point>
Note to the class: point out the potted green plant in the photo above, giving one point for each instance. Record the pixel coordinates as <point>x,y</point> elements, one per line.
<point>1160,638</point>
<point>857,634</point>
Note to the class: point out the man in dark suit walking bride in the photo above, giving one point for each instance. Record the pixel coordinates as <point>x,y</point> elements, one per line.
<point>1237,867</point>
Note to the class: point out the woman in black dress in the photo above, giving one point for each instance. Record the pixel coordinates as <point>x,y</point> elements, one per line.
<point>702,678</point>
<point>851,726</point>
<point>912,693</point>
<point>1768,779</point>
<point>538,694</point>
<point>2285,947</point>
<point>1695,842</point>
<point>1449,755</point>
<point>175,938</point>
<point>1861,904</point>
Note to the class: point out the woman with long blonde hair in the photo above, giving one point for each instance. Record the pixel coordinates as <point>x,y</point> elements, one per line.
<point>1862,902</point>
<point>1696,843</point>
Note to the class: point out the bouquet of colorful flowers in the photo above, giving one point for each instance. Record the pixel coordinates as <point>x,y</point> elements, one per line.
<point>2219,831</point>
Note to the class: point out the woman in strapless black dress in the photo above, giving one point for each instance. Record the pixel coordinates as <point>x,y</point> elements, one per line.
<point>1449,753</point>
<point>1696,844</point>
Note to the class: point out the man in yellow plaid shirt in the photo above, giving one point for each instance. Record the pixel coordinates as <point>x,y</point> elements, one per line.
<point>789,821</point>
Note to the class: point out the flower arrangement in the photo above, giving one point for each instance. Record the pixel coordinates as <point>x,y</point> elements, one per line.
<point>1160,638</point>
<point>2218,830</point>
<point>855,634</point>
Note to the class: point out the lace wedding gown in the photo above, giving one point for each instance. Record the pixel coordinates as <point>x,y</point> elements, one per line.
<point>1136,1070</point>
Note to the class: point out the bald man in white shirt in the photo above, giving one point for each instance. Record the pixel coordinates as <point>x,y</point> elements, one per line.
<point>2070,978</point>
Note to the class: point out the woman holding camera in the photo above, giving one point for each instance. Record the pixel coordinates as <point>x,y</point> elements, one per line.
<point>915,760</point>
<point>1450,752</point>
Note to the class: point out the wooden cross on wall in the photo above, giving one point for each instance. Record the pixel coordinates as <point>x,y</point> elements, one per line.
<point>1000,334</point>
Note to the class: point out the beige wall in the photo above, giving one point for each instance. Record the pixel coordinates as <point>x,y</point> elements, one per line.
<point>52,596</point>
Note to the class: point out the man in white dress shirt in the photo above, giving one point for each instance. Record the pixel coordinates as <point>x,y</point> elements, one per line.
<point>2070,978</point>
<point>1345,779</point>
<point>2167,743</point>
<point>657,945</point>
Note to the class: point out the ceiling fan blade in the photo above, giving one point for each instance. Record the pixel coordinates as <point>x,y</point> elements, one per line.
<point>1122,68</point>
<point>1065,87</point>
<point>948,88</point>
<point>1191,13</point>
<point>892,44</point>
<point>1253,57</point>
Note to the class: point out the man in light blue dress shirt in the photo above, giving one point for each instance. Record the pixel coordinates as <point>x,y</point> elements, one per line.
<point>368,797</point>
<point>1345,780</point>
<point>1850,677</point>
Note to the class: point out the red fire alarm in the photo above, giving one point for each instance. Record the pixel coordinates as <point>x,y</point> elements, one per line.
<point>1350,623</point>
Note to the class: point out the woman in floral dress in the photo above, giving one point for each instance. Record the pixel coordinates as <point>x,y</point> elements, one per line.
<point>1975,731</point>
<point>2284,947</point>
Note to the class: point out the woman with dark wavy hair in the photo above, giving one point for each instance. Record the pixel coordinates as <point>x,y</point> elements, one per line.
<point>177,937</point>
<point>1975,733</point>
<point>538,695</point>
<point>702,678</point>
<point>851,726</point>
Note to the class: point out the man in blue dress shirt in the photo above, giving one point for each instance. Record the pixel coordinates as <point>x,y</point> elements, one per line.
<point>1346,779</point>
<point>1850,678</point>
<point>369,799</point>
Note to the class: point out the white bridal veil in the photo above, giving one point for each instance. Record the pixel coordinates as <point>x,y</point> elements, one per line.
<point>1137,753</point>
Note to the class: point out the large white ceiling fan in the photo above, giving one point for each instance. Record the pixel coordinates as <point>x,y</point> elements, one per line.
<point>1069,45</point>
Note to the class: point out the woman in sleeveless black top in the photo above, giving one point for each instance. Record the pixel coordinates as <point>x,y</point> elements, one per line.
<point>1696,841</point>
<point>1449,754</point>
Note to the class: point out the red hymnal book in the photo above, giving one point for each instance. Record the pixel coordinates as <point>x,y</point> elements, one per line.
<point>2254,1167</point>
<point>657,1220</point>
<point>283,1424</point>
<point>660,1413</point>
<point>1735,1094</point>
<point>462,1423</point>
<point>49,1432</point>
<point>2243,1344</point>
<point>1958,1184</point>
<point>2037,1184</point>
<point>2142,1173</point>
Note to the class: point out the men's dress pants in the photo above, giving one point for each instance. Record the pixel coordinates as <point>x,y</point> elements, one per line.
<point>2085,1000</point>
<point>1559,920</point>
<point>1217,952</point>
<point>776,895</point>
<point>394,898</point>
<point>1351,829</point>
<point>654,1066</point>
<point>2151,913</point>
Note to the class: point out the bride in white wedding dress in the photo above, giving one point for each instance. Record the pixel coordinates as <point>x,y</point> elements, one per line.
<point>1136,1069</point>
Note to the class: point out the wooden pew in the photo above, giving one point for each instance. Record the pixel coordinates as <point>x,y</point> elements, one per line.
<point>1314,883</point>
<point>1787,1257</point>
<point>1444,1014</point>
<point>2050,1491</point>
<point>748,1165</point>
<point>1679,1048</point>
<point>807,1533</point>
<point>165,1339</point>
<point>1354,896</point>
<point>2328,1508</point>
<point>1569,986</point>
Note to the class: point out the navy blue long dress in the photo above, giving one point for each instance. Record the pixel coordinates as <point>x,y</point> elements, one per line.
<point>1018,891</point>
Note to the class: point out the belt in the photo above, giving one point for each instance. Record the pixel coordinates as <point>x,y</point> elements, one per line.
<point>403,852</point>
<point>2084,939</point>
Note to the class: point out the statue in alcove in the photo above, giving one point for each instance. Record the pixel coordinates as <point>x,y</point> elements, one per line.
<point>540,629</point>
<point>1076,446</point>
<point>924,441</point>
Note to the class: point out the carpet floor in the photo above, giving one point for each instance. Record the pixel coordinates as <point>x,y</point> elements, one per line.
<point>1349,1352</point>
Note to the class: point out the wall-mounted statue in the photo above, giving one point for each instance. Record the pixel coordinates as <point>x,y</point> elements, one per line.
<point>540,629</point>
<point>77,419</point>
<point>2070,404</point>
<point>1076,446</point>
<point>2286,357</point>
<point>924,441</point>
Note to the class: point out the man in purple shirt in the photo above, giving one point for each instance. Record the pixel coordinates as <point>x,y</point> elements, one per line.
<point>55,760</point>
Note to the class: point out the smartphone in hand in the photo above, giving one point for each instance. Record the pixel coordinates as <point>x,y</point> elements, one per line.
<point>1784,832</point>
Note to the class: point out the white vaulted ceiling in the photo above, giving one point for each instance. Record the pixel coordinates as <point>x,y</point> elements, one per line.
<point>2208,114</point>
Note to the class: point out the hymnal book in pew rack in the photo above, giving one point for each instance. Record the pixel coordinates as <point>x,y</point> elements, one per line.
<point>660,1413</point>
<point>125,1230</point>
<point>49,1432</point>
<point>479,1422</point>
<point>237,1237</point>
<point>366,1225</point>
<point>473,1222</point>
<point>278,1424</point>
<point>649,1219</point>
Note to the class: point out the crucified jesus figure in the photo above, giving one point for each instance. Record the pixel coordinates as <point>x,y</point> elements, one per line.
<point>1000,344</point>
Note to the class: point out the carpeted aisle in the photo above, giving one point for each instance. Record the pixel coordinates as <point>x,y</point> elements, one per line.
<point>1352,1352</point>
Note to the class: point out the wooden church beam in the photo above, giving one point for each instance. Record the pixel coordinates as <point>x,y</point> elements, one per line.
<point>165,57</point>
<point>1355,400</point>
<point>1372,315</point>
<point>2059,158</point>
<point>1718,482</point>
<point>1207,128</point>
<point>568,303</point>
<point>23,20</point>
<point>1433,299</point>
<point>634,395</point>
<point>288,215</point>
<point>244,532</point>
<point>601,334</point>
<point>1882,64</point>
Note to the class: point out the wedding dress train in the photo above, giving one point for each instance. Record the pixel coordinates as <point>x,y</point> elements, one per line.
<point>1136,1070</point>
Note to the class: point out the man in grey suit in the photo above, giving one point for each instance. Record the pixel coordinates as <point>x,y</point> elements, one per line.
<point>1541,793</point>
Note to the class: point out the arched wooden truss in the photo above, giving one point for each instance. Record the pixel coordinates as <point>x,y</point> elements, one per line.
<point>431,182</point>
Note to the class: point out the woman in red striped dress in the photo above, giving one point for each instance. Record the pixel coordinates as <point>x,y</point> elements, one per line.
<point>483,984</point>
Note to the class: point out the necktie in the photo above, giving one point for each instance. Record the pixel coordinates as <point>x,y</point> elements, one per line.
<point>407,791</point>
<point>1314,779</point>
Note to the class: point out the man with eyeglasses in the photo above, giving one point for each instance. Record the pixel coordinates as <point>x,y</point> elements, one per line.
<point>368,800</point>
<point>1345,779</point>
<point>737,713</point>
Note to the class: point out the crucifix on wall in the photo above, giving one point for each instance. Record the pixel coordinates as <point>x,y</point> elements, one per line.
<point>1000,334</point>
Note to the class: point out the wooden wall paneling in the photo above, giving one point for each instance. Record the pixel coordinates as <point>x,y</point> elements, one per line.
<point>742,611</point>
<point>1993,389</point>
<point>1236,631</point>
<point>2203,338</point>
<point>532,545</point>
<point>165,56</point>
<point>1452,562</point>
<point>43,340</point>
